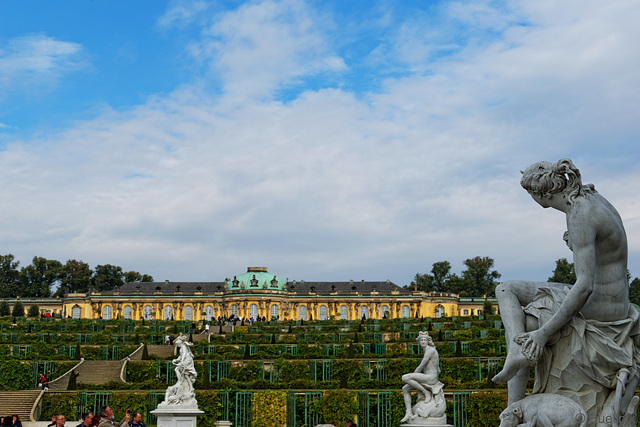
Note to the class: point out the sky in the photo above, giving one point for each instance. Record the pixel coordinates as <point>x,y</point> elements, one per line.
<point>326,140</point>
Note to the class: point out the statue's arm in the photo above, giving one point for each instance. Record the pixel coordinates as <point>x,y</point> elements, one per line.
<point>583,238</point>
<point>427,356</point>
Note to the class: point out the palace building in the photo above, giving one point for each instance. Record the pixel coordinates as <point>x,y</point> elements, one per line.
<point>258,293</point>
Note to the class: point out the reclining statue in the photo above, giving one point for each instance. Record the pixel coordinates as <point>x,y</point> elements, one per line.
<point>581,338</point>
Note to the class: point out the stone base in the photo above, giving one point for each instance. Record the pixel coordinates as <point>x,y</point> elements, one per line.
<point>433,422</point>
<point>177,416</point>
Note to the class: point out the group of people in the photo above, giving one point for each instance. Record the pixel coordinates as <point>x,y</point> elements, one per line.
<point>104,418</point>
<point>11,421</point>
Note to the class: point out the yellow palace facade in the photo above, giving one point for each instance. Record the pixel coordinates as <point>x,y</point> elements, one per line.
<point>258,293</point>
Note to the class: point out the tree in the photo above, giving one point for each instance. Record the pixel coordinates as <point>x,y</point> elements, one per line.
<point>5,310</point>
<point>634,291</point>
<point>434,282</point>
<point>39,277</point>
<point>18,309</point>
<point>478,278</point>
<point>565,272</point>
<point>107,277</point>
<point>9,277</point>
<point>76,277</point>
<point>34,311</point>
<point>487,308</point>
<point>134,276</point>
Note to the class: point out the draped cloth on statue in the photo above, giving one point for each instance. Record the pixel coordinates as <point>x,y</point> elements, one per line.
<point>582,359</point>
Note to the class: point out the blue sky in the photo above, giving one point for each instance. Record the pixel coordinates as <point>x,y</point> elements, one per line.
<point>326,140</point>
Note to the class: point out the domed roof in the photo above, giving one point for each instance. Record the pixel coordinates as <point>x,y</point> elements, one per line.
<point>255,278</point>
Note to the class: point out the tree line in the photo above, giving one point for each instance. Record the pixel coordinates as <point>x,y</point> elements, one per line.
<point>480,279</point>
<point>45,278</point>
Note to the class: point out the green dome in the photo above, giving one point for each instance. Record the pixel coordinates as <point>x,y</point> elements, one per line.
<point>255,278</point>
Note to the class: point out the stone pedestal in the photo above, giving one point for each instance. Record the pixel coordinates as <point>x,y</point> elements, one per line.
<point>177,416</point>
<point>432,422</point>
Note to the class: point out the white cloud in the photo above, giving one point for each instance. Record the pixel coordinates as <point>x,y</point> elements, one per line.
<point>337,185</point>
<point>37,59</point>
<point>181,13</point>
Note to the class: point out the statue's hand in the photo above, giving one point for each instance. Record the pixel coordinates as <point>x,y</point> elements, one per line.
<point>531,345</point>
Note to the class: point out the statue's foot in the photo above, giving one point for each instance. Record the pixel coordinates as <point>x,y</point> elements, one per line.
<point>407,417</point>
<point>514,363</point>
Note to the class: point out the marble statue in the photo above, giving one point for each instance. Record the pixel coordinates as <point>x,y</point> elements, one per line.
<point>431,405</point>
<point>182,392</point>
<point>581,338</point>
<point>549,410</point>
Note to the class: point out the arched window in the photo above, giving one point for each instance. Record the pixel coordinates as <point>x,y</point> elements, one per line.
<point>322,312</point>
<point>106,312</point>
<point>208,312</point>
<point>76,312</point>
<point>364,312</point>
<point>126,312</point>
<point>168,312</point>
<point>465,312</point>
<point>188,313</point>
<point>147,311</point>
<point>302,312</point>
<point>275,311</point>
<point>253,311</point>
<point>439,311</point>
<point>384,311</point>
<point>405,312</point>
<point>344,312</point>
<point>234,309</point>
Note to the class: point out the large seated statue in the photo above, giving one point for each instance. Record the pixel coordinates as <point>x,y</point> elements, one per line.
<point>581,338</point>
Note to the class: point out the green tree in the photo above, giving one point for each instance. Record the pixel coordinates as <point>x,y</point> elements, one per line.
<point>487,308</point>
<point>34,311</point>
<point>18,309</point>
<point>76,277</point>
<point>39,277</point>
<point>634,291</point>
<point>9,277</point>
<point>434,282</point>
<point>107,277</point>
<point>479,278</point>
<point>134,276</point>
<point>5,310</point>
<point>564,272</point>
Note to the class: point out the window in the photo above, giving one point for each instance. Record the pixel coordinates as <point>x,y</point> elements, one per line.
<point>126,312</point>
<point>75,312</point>
<point>439,311</point>
<point>322,312</point>
<point>384,310</point>
<point>364,311</point>
<point>405,312</point>
<point>168,312</point>
<point>188,313</point>
<point>344,312</point>
<point>208,312</point>
<point>275,311</point>
<point>148,312</point>
<point>465,312</point>
<point>253,311</point>
<point>106,312</point>
<point>234,309</point>
<point>302,312</point>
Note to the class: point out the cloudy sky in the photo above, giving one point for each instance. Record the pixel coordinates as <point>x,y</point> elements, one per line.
<point>326,140</point>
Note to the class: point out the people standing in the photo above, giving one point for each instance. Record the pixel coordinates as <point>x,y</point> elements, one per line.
<point>16,421</point>
<point>107,418</point>
<point>136,421</point>
<point>86,420</point>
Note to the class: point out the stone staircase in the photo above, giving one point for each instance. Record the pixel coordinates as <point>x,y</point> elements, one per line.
<point>164,351</point>
<point>18,402</point>
<point>91,372</point>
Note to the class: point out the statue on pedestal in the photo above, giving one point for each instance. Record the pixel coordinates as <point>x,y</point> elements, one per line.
<point>182,392</point>
<point>581,338</point>
<point>431,405</point>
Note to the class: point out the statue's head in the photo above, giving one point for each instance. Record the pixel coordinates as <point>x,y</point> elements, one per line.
<point>182,339</point>
<point>424,339</point>
<point>544,179</point>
